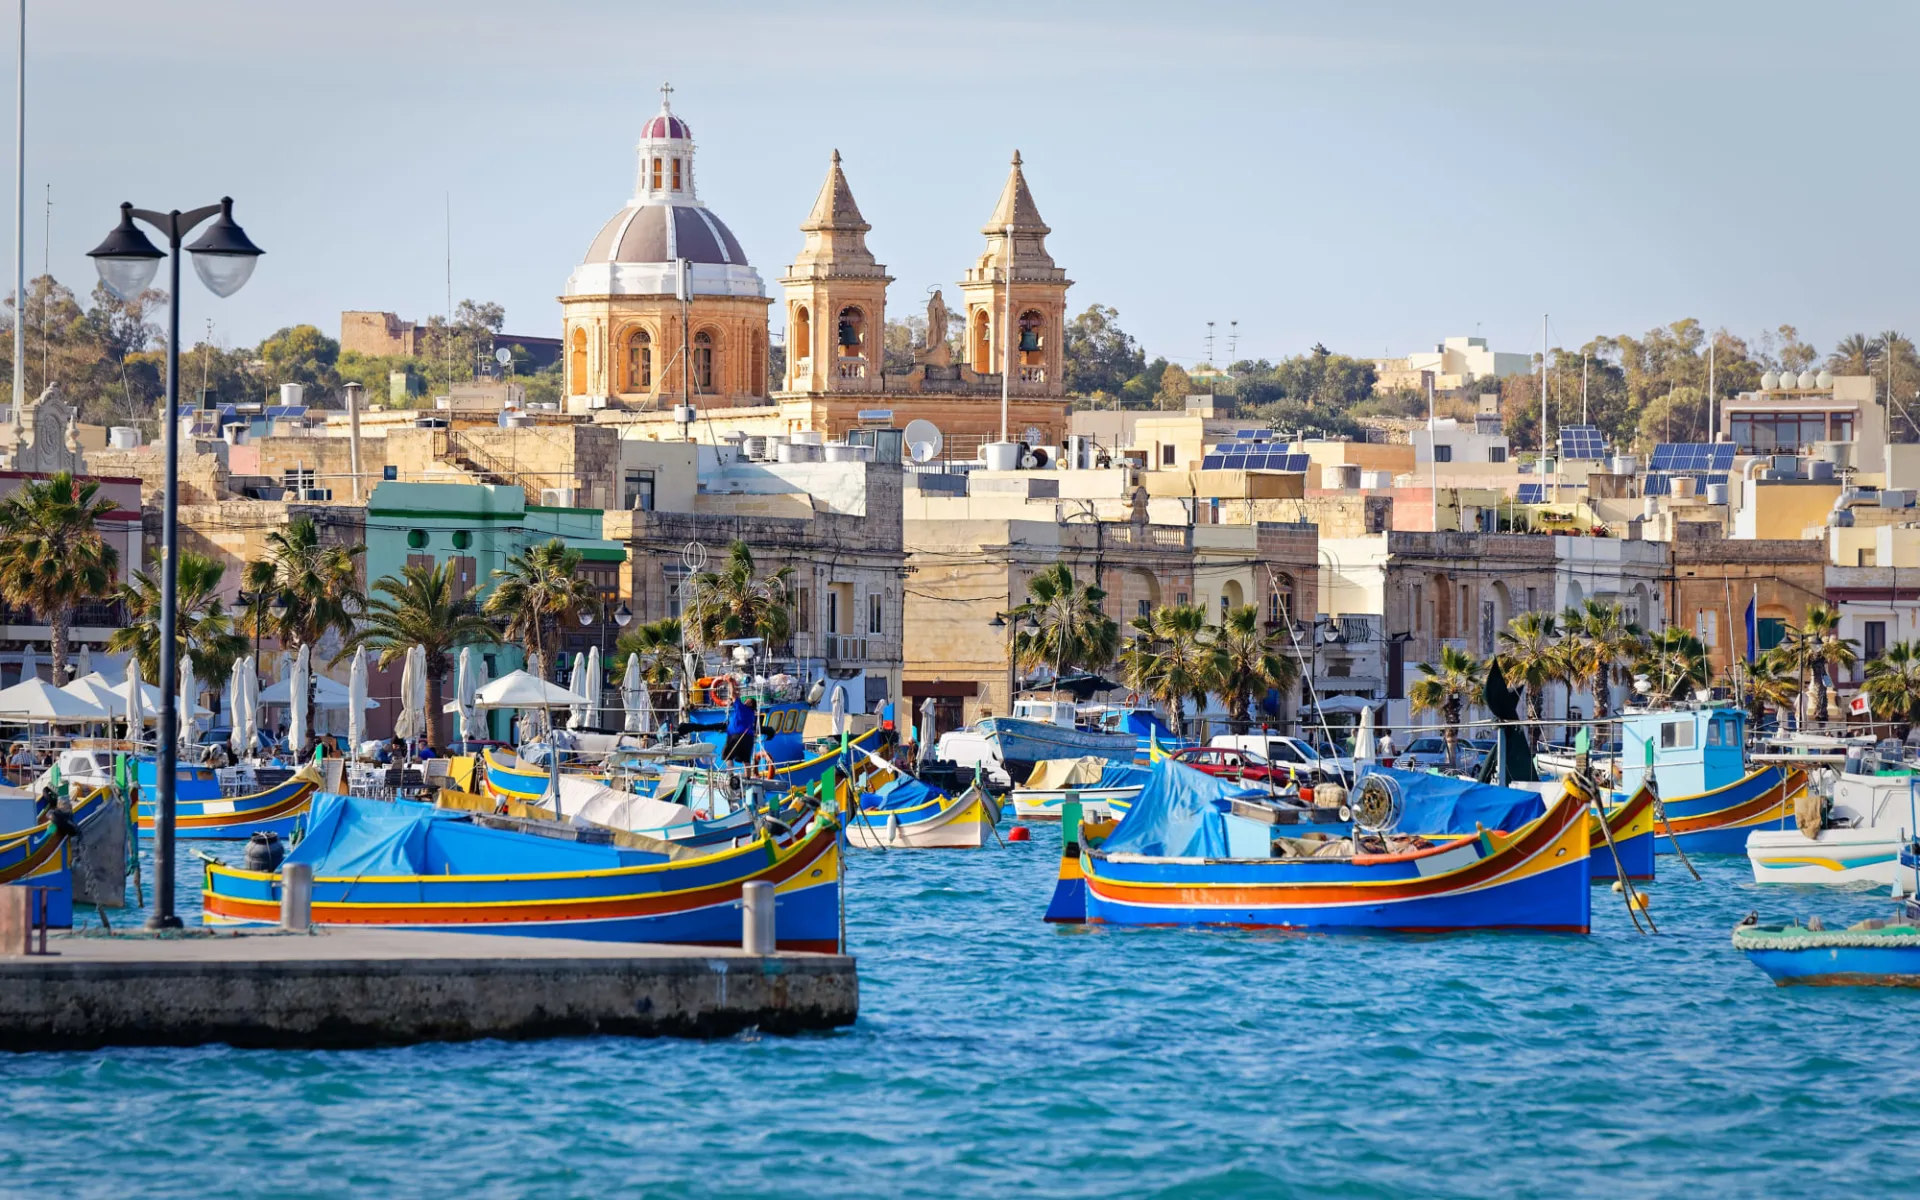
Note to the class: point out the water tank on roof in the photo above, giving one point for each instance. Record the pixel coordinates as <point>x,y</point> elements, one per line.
<point>293,393</point>
<point>1807,380</point>
<point>1716,493</point>
<point>1769,381</point>
<point>1824,379</point>
<point>1001,456</point>
<point>1626,464</point>
<point>1376,480</point>
<point>123,437</point>
<point>1685,487</point>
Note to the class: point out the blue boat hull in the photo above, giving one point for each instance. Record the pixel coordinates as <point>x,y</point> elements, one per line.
<point>1842,966</point>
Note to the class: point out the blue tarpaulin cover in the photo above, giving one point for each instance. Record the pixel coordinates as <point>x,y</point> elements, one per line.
<point>1175,816</point>
<point>1119,775</point>
<point>352,837</point>
<point>902,792</point>
<point>1141,723</point>
<point>1441,804</point>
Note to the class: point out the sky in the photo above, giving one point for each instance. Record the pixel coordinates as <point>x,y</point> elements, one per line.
<point>1373,177</point>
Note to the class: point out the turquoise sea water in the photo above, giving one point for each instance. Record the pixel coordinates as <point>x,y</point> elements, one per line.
<point>997,1055</point>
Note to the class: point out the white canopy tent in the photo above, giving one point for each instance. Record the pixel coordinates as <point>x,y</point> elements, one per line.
<point>37,701</point>
<point>327,694</point>
<point>519,689</point>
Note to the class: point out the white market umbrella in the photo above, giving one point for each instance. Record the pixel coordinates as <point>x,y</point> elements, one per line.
<point>249,713</point>
<point>633,694</point>
<point>357,702</point>
<point>36,700</point>
<point>579,689</point>
<point>925,732</point>
<point>595,677</point>
<point>236,706</point>
<point>468,685</point>
<point>327,693</point>
<point>839,707</point>
<point>411,721</point>
<point>519,689</point>
<point>297,702</point>
<point>417,692</point>
<point>186,704</point>
<point>1364,747</point>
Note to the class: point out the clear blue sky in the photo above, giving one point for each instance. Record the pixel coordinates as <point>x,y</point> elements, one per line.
<point>1373,177</point>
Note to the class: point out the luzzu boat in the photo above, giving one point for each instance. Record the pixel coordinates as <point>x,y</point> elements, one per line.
<point>202,811</point>
<point>910,814</point>
<point>1101,788</point>
<point>1871,954</point>
<point>1186,854</point>
<point>1711,800</point>
<point>1633,833</point>
<point>415,866</point>
<point>40,853</point>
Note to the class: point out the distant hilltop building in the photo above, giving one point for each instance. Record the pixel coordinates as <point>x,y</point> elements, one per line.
<point>379,335</point>
<point>630,350</point>
<point>1451,365</point>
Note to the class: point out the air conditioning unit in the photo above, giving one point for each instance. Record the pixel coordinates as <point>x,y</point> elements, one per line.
<point>556,497</point>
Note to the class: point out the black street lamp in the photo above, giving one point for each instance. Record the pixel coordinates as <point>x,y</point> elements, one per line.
<point>224,259</point>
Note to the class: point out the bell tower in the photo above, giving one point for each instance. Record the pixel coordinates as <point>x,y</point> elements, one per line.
<point>836,298</point>
<point>1017,298</point>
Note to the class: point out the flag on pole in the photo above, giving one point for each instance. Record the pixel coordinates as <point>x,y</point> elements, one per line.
<point>1753,630</point>
<point>1858,706</point>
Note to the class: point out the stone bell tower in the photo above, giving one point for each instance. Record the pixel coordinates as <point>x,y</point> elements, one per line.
<point>836,298</point>
<point>1015,271</point>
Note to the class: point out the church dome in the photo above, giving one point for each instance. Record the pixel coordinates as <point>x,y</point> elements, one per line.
<point>639,249</point>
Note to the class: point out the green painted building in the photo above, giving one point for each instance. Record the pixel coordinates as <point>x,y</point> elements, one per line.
<point>477,527</point>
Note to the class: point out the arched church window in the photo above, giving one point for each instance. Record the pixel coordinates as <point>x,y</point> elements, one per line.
<point>656,174</point>
<point>703,361</point>
<point>1032,344</point>
<point>800,345</point>
<point>852,334</point>
<point>676,174</point>
<point>640,361</point>
<point>577,369</point>
<point>982,343</point>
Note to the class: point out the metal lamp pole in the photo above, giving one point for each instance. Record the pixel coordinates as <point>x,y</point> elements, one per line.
<point>224,258</point>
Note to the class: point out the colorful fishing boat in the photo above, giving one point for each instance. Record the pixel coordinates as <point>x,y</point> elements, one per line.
<point>1183,855</point>
<point>416,866</point>
<point>1101,787</point>
<point>40,852</point>
<point>1042,729</point>
<point>1710,797</point>
<point>202,811</point>
<point>1630,832</point>
<point>1853,835</point>
<point>906,813</point>
<point>1871,954</point>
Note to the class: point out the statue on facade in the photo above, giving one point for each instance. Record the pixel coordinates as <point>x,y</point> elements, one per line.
<point>49,436</point>
<point>935,351</point>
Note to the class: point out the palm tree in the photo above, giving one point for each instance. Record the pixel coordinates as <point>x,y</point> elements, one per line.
<point>1247,660</point>
<point>52,557</point>
<point>739,602</point>
<point>1675,662</point>
<point>202,622</point>
<point>1447,689</point>
<point>1893,684</point>
<point>1171,659</point>
<point>1856,354</point>
<point>1600,640</point>
<point>658,645</point>
<point>537,590</point>
<point>419,608</point>
<point>1073,632</point>
<point>315,582</point>
<point>1819,650</point>
<point>1531,653</point>
<point>1773,680</point>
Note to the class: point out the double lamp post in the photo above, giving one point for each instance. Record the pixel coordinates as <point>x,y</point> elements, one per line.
<point>224,259</point>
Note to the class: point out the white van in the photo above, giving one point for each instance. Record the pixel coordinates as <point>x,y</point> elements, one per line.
<point>1282,751</point>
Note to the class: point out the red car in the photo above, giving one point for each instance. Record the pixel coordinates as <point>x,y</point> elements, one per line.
<point>1233,764</point>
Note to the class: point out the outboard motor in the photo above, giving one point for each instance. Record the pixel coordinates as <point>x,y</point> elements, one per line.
<point>265,853</point>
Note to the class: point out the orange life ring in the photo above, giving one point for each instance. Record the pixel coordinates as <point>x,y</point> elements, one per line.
<point>721,691</point>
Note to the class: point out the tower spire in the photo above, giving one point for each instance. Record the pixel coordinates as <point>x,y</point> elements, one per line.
<point>1016,207</point>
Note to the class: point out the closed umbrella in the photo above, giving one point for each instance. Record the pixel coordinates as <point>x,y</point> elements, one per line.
<point>926,733</point>
<point>237,736</point>
<point>250,711</point>
<point>1364,747</point>
<point>187,704</point>
<point>297,701</point>
<point>86,661</point>
<point>136,711</point>
<point>579,688</point>
<point>468,687</point>
<point>839,708</point>
<point>632,695</point>
<point>595,678</point>
<point>412,720</point>
<point>29,663</point>
<point>357,702</point>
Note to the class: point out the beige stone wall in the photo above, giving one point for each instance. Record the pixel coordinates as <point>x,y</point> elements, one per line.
<point>329,458</point>
<point>600,331</point>
<point>202,474</point>
<point>379,334</point>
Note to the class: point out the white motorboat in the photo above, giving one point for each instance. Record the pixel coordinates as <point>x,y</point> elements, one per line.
<point>1869,816</point>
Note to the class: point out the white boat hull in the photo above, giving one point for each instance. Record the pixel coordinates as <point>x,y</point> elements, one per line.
<point>967,825</point>
<point>1095,803</point>
<point>1837,856</point>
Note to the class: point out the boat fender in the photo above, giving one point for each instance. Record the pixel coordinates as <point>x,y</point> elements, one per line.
<point>264,852</point>
<point>1019,833</point>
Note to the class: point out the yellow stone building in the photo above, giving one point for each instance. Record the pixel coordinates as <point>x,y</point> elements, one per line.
<point>666,284</point>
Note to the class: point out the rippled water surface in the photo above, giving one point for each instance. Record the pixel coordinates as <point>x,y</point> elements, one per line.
<point>995,1054</point>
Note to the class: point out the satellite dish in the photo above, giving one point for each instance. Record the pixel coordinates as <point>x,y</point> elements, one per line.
<point>503,356</point>
<point>924,439</point>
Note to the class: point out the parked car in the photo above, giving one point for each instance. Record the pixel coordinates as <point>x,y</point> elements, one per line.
<point>1292,753</point>
<point>1430,753</point>
<point>1229,763</point>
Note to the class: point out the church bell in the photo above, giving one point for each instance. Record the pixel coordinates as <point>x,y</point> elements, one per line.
<point>1029,341</point>
<point>847,336</point>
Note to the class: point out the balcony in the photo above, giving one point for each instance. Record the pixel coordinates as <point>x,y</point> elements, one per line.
<point>1171,537</point>
<point>852,368</point>
<point>1033,374</point>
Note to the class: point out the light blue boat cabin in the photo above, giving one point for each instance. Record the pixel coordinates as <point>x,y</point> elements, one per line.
<point>1694,750</point>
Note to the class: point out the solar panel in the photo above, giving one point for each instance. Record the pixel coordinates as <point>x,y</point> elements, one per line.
<point>1235,462</point>
<point>1246,433</point>
<point>1582,442</point>
<point>1692,456</point>
<point>1212,462</point>
<point>1533,493</point>
<point>1290,462</point>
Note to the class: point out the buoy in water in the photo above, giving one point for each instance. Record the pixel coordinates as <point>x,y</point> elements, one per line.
<point>1641,901</point>
<point>1617,889</point>
<point>1019,833</point>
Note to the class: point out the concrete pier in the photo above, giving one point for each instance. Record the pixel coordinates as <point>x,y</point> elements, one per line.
<point>371,987</point>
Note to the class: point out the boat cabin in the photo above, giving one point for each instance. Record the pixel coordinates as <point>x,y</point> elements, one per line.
<point>1046,712</point>
<point>1693,750</point>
